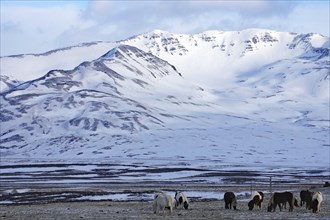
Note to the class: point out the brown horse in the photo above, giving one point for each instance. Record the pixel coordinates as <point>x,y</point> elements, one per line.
<point>230,200</point>
<point>278,199</point>
<point>306,197</point>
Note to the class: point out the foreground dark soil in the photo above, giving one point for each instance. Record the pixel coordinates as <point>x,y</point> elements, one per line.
<point>198,209</point>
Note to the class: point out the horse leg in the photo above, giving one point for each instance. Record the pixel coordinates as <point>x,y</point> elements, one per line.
<point>155,208</point>
<point>291,204</point>
<point>291,207</point>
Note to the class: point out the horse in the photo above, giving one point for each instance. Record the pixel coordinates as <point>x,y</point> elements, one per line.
<point>295,203</point>
<point>181,200</point>
<point>316,202</point>
<point>230,200</point>
<point>306,197</point>
<point>256,199</point>
<point>281,198</point>
<point>162,201</point>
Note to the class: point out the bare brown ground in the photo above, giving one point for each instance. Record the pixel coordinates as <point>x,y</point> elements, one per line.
<point>198,209</point>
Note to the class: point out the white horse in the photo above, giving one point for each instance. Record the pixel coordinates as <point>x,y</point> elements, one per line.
<point>316,202</point>
<point>162,201</point>
<point>181,200</point>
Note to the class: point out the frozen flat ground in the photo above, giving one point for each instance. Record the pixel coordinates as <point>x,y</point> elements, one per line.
<point>200,208</point>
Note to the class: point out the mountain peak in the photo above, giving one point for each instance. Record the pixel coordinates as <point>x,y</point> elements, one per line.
<point>159,32</point>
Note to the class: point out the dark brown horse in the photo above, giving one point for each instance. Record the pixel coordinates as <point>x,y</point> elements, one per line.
<point>230,200</point>
<point>278,199</point>
<point>295,203</point>
<point>306,197</point>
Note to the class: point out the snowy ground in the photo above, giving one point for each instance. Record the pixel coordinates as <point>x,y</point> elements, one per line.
<point>206,202</point>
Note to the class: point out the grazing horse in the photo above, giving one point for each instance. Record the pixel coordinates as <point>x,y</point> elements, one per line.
<point>162,201</point>
<point>256,199</point>
<point>230,200</point>
<point>295,203</point>
<point>306,197</point>
<point>316,202</point>
<point>181,200</point>
<point>281,198</point>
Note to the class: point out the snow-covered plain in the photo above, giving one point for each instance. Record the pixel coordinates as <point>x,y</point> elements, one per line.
<point>255,100</point>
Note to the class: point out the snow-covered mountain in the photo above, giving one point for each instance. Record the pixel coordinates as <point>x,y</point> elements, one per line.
<point>254,97</point>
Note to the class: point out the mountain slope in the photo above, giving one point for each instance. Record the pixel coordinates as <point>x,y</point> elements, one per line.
<point>255,97</point>
<point>255,66</point>
<point>123,91</point>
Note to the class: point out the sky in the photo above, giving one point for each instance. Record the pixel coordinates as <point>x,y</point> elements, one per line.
<point>40,26</point>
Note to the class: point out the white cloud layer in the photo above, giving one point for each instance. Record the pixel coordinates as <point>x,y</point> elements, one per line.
<point>42,26</point>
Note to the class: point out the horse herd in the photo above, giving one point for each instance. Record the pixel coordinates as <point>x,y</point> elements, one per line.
<point>312,200</point>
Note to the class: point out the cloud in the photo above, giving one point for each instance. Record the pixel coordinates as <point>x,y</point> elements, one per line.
<point>261,8</point>
<point>35,29</point>
<point>182,16</point>
<point>11,27</point>
<point>309,18</point>
<point>29,29</point>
